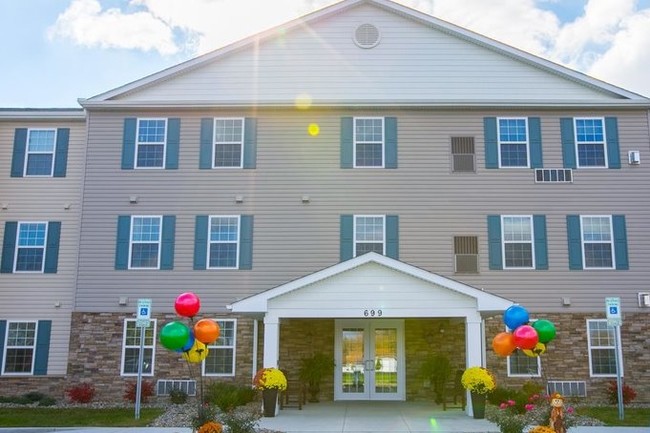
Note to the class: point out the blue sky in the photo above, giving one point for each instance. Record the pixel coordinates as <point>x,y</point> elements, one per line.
<point>55,51</point>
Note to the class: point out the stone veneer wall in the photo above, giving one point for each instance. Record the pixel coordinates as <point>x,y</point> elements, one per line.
<point>96,354</point>
<point>567,357</point>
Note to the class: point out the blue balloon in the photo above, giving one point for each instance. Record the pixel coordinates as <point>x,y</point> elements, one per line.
<point>515,316</point>
<point>189,344</point>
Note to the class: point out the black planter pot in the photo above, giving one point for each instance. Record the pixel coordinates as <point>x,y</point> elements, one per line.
<point>269,400</point>
<point>478,405</point>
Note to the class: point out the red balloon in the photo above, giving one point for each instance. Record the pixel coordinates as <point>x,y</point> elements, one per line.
<point>525,337</point>
<point>206,331</point>
<point>187,304</point>
<point>503,344</point>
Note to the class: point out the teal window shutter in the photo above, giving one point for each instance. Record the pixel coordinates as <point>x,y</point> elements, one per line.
<point>491,142</point>
<point>494,242</point>
<point>390,137</point>
<point>128,143</point>
<point>250,142</point>
<point>173,143</point>
<point>568,143</point>
<point>61,155</point>
<point>574,236</point>
<point>541,247</point>
<point>42,347</point>
<point>123,241</point>
<point>20,148</point>
<point>3,332</point>
<point>392,236</point>
<point>346,237</point>
<point>246,242</point>
<point>167,244</point>
<point>52,247</point>
<point>620,242</point>
<point>347,137</point>
<point>206,143</point>
<point>9,248</point>
<point>613,151</point>
<point>535,142</point>
<point>201,242</point>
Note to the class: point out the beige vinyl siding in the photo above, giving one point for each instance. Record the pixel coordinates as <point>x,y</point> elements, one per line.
<point>425,64</point>
<point>292,239</point>
<point>35,296</point>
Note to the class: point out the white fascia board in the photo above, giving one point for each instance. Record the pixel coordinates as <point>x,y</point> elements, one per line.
<point>36,114</point>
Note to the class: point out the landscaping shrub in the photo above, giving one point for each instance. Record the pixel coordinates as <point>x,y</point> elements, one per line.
<point>629,393</point>
<point>241,420</point>
<point>228,396</point>
<point>146,391</point>
<point>177,396</point>
<point>81,393</point>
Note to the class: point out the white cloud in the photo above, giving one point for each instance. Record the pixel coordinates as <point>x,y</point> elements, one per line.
<point>85,23</point>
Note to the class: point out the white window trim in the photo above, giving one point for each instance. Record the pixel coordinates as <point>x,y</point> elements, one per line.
<point>355,142</point>
<point>131,241</point>
<point>237,242</point>
<point>504,242</point>
<point>27,153</point>
<point>241,143</point>
<point>153,347</point>
<point>163,143</point>
<point>44,247</point>
<point>527,142</point>
<point>354,233</point>
<point>233,347</point>
<point>575,138</point>
<point>6,340</point>
<point>583,242</point>
<point>619,352</point>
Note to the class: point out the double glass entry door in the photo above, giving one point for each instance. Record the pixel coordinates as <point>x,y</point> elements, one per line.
<point>369,360</point>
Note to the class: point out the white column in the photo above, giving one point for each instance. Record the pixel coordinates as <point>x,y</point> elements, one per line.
<point>271,340</point>
<point>473,347</point>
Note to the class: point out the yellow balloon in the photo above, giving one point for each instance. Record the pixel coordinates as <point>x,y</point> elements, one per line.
<point>197,353</point>
<point>536,351</point>
<point>313,129</point>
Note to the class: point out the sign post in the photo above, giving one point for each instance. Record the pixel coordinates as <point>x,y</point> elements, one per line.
<point>614,320</point>
<point>142,322</point>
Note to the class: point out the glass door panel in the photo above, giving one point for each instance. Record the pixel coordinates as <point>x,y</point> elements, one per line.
<point>353,365</point>
<point>385,368</point>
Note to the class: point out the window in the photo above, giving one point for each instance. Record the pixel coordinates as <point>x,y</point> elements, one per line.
<point>602,352</point>
<point>513,142</point>
<point>369,234</point>
<point>221,355</point>
<point>30,248</point>
<point>145,242</point>
<point>462,154</point>
<point>228,142</point>
<point>597,246</point>
<point>224,242</point>
<point>150,143</point>
<point>466,254</point>
<point>517,241</point>
<point>590,142</point>
<point>369,142</point>
<point>131,348</point>
<point>39,159</point>
<point>520,364</point>
<point>20,348</point>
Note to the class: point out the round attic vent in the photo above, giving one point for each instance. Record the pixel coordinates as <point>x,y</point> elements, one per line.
<point>366,36</point>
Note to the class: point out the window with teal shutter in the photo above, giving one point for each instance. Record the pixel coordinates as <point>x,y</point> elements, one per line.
<point>18,156</point>
<point>392,236</point>
<point>491,142</point>
<point>250,142</point>
<point>52,247</point>
<point>9,247</point>
<point>173,143</point>
<point>620,242</point>
<point>128,143</point>
<point>390,125</point>
<point>568,142</point>
<point>541,248</point>
<point>535,142</point>
<point>346,241</point>
<point>574,237</point>
<point>495,253</point>
<point>41,357</point>
<point>123,240</point>
<point>61,154</point>
<point>201,242</point>
<point>347,142</point>
<point>167,242</point>
<point>246,242</point>
<point>368,142</point>
<point>206,142</point>
<point>613,151</point>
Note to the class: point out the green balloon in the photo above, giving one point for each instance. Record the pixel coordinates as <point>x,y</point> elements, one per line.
<point>174,335</point>
<point>545,330</point>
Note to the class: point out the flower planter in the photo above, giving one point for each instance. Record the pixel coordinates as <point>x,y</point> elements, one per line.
<point>269,400</point>
<point>478,405</point>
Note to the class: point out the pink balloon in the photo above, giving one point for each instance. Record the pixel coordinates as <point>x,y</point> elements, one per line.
<point>187,304</point>
<point>525,337</point>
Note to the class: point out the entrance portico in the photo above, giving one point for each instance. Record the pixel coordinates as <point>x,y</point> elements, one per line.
<point>368,293</point>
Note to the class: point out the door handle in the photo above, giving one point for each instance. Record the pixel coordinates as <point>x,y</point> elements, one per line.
<point>369,362</point>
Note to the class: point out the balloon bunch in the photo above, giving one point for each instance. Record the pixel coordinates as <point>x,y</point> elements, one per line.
<point>191,341</point>
<point>531,339</point>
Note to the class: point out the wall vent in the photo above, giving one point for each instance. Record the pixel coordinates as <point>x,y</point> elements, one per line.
<point>553,175</point>
<point>568,388</point>
<point>164,386</point>
<point>366,36</point>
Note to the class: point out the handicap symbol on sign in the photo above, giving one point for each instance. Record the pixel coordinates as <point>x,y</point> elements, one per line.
<point>144,311</point>
<point>613,310</point>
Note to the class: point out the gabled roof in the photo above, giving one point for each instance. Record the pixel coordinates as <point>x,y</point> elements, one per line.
<point>485,301</point>
<point>612,95</point>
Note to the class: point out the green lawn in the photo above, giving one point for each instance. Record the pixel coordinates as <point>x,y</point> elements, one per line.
<point>638,417</point>
<point>76,417</point>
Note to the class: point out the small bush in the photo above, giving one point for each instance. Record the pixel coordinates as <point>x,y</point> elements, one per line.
<point>177,396</point>
<point>145,392</point>
<point>81,393</point>
<point>629,393</point>
<point>228,396</point>
<point>34,396</point>
<point>205,414</point>
<point>241,420</point>
<point>47,401</point>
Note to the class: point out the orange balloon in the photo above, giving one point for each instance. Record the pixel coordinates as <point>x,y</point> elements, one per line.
<point>206,331</point>
<point>503,344</point>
